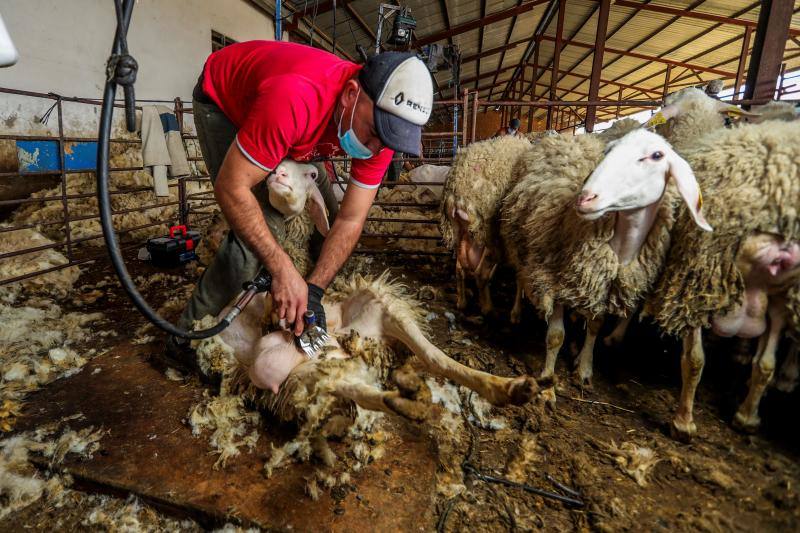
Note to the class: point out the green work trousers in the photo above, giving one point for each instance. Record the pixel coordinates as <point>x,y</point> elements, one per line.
<point>234,263</point>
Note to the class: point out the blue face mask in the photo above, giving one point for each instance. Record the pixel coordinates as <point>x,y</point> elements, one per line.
<point>349,141</point>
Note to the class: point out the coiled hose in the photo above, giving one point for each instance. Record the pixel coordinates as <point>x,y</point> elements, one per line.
<point>121,70</point>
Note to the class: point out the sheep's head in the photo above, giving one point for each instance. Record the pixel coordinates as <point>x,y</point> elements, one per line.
<point>633,175</point>
<point>291,185</point>
<point>769,258</point>
<point>692,100</point>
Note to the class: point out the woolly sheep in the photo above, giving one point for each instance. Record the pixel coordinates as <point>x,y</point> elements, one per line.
<point>585,272</point>
<point>480,177</point>
<point>368,321</point>
<point>290,187</point>
<point>747,270</point>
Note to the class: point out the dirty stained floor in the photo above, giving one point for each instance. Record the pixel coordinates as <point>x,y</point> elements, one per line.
<point>610,443</point>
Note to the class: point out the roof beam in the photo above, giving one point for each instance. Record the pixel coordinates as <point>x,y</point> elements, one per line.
<point>359,19</point>
<point>621,25</point>
<point>446,17</point>
<point>480,41</point>
<point>508,38</point>
<point>597,61</point>
<point>535,42</point>
<point>479,22</point>
<point>562,8</point>
<point>316,8</point>
<point>693,14</point>
<point>656,59</point>
<point>680,45</point>
<point>493,51</point>
<point>652,93</point>
<point>692,39</point>
<point>574,33</point>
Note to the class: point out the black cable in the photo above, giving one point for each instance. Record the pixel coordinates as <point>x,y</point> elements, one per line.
<point>118,72</point>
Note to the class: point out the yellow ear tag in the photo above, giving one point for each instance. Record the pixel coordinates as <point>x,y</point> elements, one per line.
<point>733,110</point>
<point>656,119</point>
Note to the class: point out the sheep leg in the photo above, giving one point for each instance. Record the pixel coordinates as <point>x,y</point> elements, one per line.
<point>586,356</point>
<point>484,296</point>
<point>516,311</point>
<point>555,338</point>
<point>692,362</point>
<point>790,370</point>
<point>461,290</point>
<point>747,418</point>
<point>391,402</point>
<point>498,390</point>
<point>483,275</point>
<point>618,334</point>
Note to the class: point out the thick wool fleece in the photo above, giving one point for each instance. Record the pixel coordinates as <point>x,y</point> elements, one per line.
<point>698,115</point>
<point>750,177</point>
<point>559,256</point>
<point>479,178</point>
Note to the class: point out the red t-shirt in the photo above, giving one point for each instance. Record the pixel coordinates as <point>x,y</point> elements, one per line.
<point>281,97</point>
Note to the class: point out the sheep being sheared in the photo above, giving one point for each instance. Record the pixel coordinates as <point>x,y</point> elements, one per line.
<point>740,280</point>
<point>365,319</point>
<point>480,177</point>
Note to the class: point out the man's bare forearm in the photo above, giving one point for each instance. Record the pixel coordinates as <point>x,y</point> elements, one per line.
<point>338,246</point>
<point>246,219</point>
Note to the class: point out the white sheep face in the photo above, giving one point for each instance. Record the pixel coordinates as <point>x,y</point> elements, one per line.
<point>291,185</point>
<point>633,175</point>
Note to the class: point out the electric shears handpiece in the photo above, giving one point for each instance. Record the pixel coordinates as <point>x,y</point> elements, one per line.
<point>261,283</point>
<point>313,337</point>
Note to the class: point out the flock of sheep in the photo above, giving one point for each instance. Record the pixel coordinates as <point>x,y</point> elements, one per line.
<point>682,219</point>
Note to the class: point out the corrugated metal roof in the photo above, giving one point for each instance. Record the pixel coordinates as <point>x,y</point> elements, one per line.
<point>700,43</point>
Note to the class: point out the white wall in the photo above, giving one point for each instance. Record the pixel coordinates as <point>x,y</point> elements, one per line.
<point>64,44</point>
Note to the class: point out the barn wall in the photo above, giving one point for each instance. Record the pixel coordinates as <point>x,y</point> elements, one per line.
<point>66,43</point>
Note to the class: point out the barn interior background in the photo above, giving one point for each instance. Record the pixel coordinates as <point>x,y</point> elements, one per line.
<point>97,436</point>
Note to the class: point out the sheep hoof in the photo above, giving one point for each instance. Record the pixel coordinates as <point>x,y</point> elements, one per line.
<point>683,431</point>
<point>746,423</point>
<point>410,385</point>
<point>611,341</point>
<point>521,390</point>
<point>584,381</point>
<point>548,396</point>
<point>785,384</point>
<point>414,411</point>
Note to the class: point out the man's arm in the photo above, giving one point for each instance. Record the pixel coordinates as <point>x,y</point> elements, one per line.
<point>232,190</point>
<point>344,234</point>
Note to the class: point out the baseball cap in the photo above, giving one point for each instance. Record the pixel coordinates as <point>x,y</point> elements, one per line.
<point>401,88</point>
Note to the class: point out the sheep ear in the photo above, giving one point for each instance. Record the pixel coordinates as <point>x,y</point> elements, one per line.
<point>664,114</point>
<point>689,189</point>
<point>318,211</point>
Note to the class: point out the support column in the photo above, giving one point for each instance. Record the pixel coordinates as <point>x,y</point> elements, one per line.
<point>667,76</point>
<point>770,42</point>
<point>748,31</point>
<point>562,8</point>
<point>597,61</point>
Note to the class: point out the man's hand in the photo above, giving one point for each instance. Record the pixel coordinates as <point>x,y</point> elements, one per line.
<point>290,296</point>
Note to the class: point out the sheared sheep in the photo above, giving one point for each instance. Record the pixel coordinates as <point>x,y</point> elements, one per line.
<point>740,280</point>
<point>481,175</point>
<point>364,317</point>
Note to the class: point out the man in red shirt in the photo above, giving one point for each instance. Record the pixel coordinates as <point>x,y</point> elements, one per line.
<point>259,102</point>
